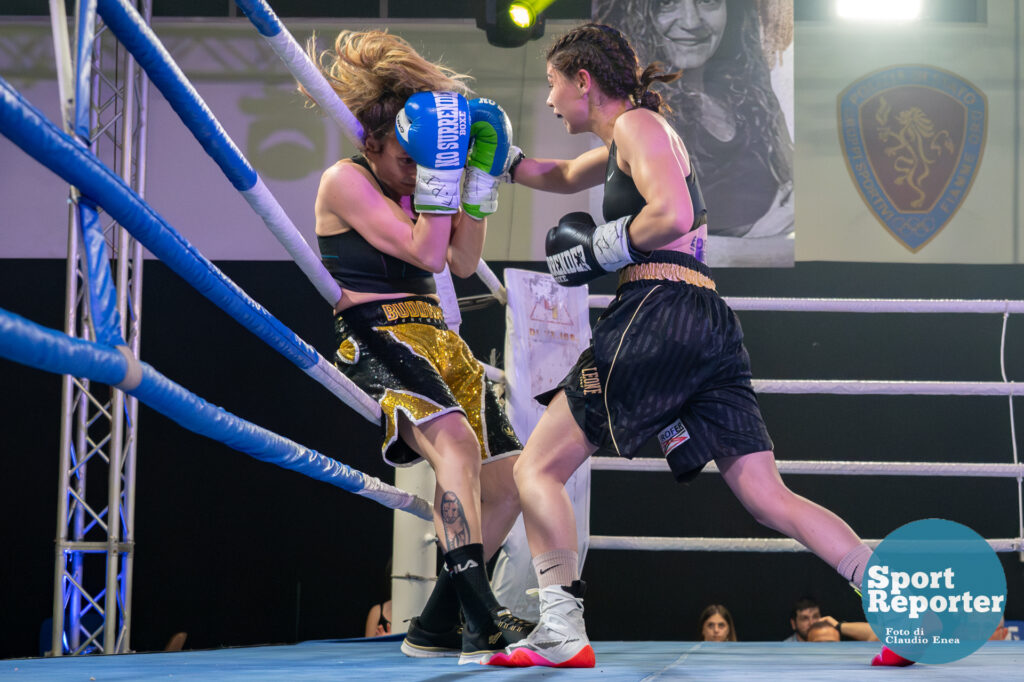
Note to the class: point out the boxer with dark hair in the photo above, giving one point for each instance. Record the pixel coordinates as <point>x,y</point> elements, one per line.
<point>667,357</point>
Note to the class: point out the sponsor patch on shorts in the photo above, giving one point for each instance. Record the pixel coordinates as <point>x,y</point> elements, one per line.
<point>590,382</point>
<point>672,436</point>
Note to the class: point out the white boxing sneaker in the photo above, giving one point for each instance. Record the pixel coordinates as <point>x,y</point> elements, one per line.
<point>560,638</point>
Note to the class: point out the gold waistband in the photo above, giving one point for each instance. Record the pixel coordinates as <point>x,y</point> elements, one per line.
<point>665,271</point>
<point>411,309</point>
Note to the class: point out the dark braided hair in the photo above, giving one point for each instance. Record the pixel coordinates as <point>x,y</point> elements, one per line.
<point>612,62</point>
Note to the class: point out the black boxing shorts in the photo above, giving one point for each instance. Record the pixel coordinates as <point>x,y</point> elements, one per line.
<point>667,359</point>
<point>402,354</point>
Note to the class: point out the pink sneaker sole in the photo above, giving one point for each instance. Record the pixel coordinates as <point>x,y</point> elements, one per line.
<point>526,658</point>
<point>888,657</point>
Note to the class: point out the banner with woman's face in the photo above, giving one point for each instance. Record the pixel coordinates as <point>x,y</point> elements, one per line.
<point>733,108</point>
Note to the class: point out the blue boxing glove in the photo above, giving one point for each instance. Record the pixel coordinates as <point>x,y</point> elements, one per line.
<point>579,251</point>
<point>433,128</point>
<point>489,156</point>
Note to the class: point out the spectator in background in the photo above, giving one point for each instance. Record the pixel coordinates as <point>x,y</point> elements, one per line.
<point>1001,632</point>
<point>806,613</point>
<point>858,630</point>
<point>822,631</point>
<point>378,620</point>
<point>716,624</point>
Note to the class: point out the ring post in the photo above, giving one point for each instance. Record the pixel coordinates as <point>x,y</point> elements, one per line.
<point>413,553</point>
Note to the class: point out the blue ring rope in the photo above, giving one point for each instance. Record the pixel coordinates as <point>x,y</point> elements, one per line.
<point>132,31</point>
<point>103,313</point>
<point>31,344</point>
<point>262,17</point>
<point>83,67</point>
<point>26,127</point>
<point>135,34</point>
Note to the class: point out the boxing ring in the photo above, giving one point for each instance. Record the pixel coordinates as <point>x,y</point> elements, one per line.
<point>616,662</point>
<point>110,360</point>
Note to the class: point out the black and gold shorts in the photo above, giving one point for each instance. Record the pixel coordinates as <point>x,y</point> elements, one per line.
<point>667,359</point>
<point>402,354</point>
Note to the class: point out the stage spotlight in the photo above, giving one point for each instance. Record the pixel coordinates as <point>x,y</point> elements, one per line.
<point>522,16</point>
<point>511,23</point>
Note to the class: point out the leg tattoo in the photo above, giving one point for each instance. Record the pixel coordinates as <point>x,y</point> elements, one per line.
<point>453,519</point>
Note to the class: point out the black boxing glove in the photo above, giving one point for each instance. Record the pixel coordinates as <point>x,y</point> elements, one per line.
<point>578,250</point>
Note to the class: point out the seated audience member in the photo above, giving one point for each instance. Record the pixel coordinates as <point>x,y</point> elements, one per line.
<point>1001,632</point>
<point>176,642</point>
<point>378,620</point>
<point>806,613</point>
<point>716,624</point>
<point>822,632</point>
<point>858,630</point>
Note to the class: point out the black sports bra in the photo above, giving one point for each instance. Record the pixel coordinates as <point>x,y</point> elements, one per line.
<point>622,198</point>
<point>357,265</point>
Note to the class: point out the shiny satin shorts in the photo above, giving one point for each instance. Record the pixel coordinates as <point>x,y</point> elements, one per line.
<point>402,354</point>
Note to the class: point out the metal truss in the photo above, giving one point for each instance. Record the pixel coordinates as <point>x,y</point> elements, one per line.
<point>99,427</point>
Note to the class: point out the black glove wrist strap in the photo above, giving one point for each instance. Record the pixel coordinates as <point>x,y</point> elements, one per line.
<point>515,163</point>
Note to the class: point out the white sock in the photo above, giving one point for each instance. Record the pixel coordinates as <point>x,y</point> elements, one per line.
<point>557,567</point>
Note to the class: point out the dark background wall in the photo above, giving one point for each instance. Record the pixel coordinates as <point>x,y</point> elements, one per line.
<point>235,551</point>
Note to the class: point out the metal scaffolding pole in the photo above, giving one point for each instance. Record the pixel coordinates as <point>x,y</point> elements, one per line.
<point>99,428</point>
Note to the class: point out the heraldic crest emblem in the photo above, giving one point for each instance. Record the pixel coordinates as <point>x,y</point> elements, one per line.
<point>913,138</point>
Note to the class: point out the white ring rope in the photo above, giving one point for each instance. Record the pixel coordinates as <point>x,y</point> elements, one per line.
<point>868,305</point>
<point>846,468</point>
<point>856,305</point>
<point>846,387</point>
<point>305,71</point>
<point>1013,431</point>
<point>135,34</point>
<point>862,387</point>
<point>495,374</point>
<point>487,276</point>
<point>654,543</point>
<point>36,135</point>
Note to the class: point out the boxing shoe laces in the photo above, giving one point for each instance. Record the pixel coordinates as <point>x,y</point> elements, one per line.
<point>504,629</point>
<point>560,638</point>
<point>512,627</point>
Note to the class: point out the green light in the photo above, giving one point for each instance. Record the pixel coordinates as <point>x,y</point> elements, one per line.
<point>522,16</point>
